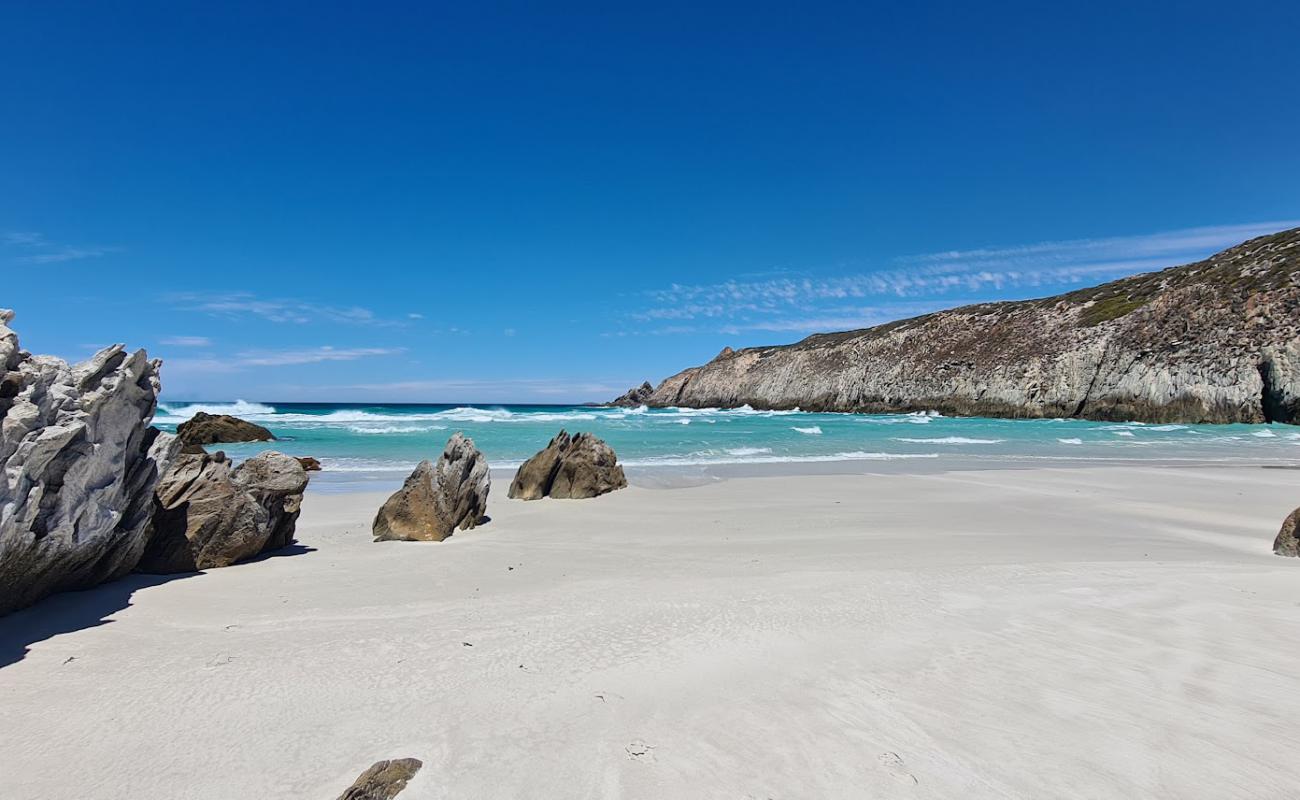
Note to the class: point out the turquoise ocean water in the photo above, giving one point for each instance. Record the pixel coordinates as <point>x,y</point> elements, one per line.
<point>374,446</point>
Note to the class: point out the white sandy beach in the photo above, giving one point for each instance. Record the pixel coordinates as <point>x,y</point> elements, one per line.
<point>1063,633</point>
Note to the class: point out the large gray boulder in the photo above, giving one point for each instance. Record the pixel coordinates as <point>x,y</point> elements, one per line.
<point>204,428</point>
<point>571,467</point>
<point>208,514</point>
<point>436,500</point>
<point>78,466</point>
<point>1287,542</point>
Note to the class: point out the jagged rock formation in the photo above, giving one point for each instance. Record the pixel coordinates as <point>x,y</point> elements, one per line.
<point>634,397</point>
<point>1287,542</point>
<point>205,428</point>
<point>435,501</point>
<point>571,467</point>
<point>384,780</point>
<point>1214,341</point>
<point>308,463</point>
<point>209,515</point>
<point>78,465</point>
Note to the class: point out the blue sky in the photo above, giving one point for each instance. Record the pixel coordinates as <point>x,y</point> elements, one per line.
<point>550,202</point>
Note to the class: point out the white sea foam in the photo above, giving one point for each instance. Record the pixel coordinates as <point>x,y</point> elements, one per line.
<point>1070,441</point>
<point>815,430</point>
<point>1123,433</point>
<point>747,451</point>
<point>382,429</point>
<point>1265,434</point>
<point>169,413</point>
<point>949,440</point>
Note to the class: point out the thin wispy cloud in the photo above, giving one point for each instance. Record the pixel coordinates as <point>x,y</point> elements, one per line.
<point>31,247</point>
<point>235,306</point>
<point>186,341</point>
<point>930,281</point>
<point>488,388</point>
<point>249,359</point>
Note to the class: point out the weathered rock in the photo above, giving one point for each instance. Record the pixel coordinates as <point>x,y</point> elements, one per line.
<point>384,780</point>
<point>1287,542</point>
<point>634,397</point>
<point>1214,341</point>
<point>570,467</point>
<point>308,463</point>
<point>436,500</point>
<point>204,428</point>
<point>78,465</point>
<point>209,515</point>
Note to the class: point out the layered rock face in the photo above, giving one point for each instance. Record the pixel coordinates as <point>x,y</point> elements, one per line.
<point>571,467</point>
<point>1287,542</point>
<point>209,514</point>
<point>78,466</point>
<point>1214,341</point>
<point>436,500</point>
<point>205,428</point>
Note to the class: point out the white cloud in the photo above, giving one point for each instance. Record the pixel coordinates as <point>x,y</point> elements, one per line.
<point>242,305</point>
<point>794,303</point>
<point>281,358</point>
<point>37,249</point>
<point>415,316</point>
<point>186,341</point>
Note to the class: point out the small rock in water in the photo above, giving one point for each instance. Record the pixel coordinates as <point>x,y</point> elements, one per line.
<point>384,780</point>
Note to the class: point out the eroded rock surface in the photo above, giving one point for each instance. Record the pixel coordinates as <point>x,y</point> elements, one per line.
<point>570,467</point>
<point>208,514</point>
<point>384,780</point>
<point>1214,341</point>
<point>1287,542</point>
<point>78,466</point>
<point>438,499</point>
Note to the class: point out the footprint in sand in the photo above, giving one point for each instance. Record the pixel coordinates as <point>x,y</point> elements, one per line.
<point>893,764</point>
<point>640,751</point>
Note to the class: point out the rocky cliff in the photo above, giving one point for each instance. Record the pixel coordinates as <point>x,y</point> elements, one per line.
<point>78,466</point>
<point>1214,341</point>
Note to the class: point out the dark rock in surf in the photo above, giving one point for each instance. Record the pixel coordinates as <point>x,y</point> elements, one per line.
<point>205,428</point>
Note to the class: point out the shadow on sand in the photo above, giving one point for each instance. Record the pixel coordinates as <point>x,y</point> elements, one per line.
<point>73,611</point>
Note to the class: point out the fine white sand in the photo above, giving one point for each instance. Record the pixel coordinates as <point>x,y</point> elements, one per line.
<point>1072,633</point>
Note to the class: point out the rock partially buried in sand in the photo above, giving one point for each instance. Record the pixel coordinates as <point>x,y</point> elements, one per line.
<point>78,466</point>
<point>205,428</point>
<point>571,467</point>
<point>208,515</point>
<point>384,780</point>
<point>435,501</point>
<point>1287,542</point>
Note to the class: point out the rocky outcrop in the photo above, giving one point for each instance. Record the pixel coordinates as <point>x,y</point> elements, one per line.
<point>308,463</point>
<point>634,397</point>
<point>78,466</point>
<point>571,467</point>
<point>205,428</point>
<point>1287,542</point>
<point>437,500</point>
<point>1214,341</point>
<point>208,514</point>
<point>384,780</point>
